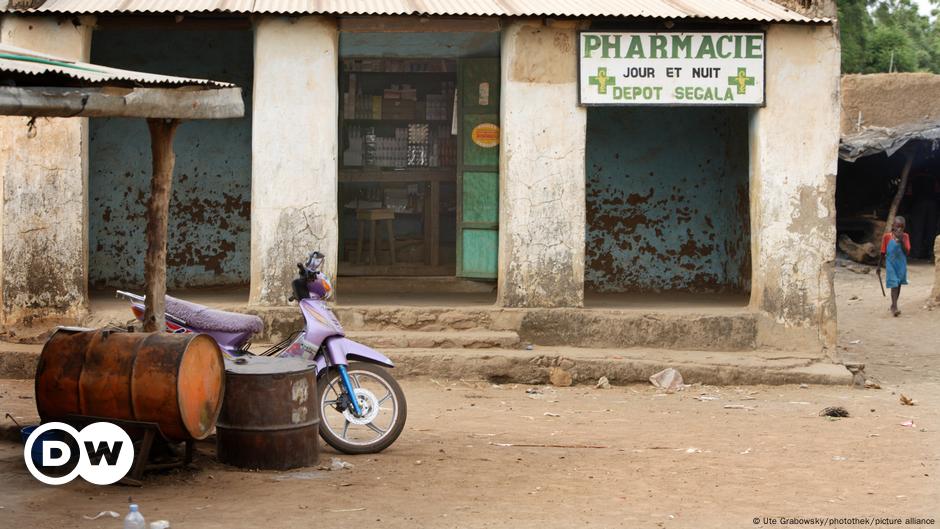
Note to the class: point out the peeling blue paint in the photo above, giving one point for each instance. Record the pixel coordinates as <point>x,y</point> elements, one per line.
<point>667,200</point>
<point>209,234</point>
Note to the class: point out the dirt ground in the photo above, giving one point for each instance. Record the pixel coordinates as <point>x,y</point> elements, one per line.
<point>628,456</point>
<point>903,349</point>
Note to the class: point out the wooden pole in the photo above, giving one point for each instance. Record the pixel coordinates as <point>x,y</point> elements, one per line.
<point>893,211</point>
<point>158,211</point>
<point>935,293</point>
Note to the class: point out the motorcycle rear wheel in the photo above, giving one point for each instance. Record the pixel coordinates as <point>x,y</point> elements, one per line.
<point>379,395</point>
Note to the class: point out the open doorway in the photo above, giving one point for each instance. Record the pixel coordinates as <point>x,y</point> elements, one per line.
<point>667,207</point>
<point>418,165</point>
<point>398,167</point>
<point>866,189</point>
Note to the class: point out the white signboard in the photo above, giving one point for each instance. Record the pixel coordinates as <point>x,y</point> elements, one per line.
<point>646,68</point>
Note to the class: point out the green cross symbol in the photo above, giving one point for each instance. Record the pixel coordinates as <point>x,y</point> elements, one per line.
<point>601,80</point>
<point>741,80</point>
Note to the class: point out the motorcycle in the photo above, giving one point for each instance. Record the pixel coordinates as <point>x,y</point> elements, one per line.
<point>367,423</point>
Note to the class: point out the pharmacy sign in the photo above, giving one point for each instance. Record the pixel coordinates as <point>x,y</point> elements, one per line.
<point>670,68</point>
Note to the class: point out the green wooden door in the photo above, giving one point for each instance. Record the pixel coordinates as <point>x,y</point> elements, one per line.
<point>478,171</point>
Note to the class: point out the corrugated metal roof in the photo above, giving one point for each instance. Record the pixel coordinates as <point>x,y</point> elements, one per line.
<point>740,10</point>
<point>27,62</point>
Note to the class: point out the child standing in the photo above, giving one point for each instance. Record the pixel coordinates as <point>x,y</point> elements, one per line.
<point>895,246</point>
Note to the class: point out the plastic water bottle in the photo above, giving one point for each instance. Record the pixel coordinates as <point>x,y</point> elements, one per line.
<point>134,520</point>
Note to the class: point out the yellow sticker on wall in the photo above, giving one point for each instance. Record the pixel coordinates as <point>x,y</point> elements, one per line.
<point>485,135</point>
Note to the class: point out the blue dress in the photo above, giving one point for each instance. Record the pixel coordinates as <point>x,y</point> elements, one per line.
<point>895,265</point>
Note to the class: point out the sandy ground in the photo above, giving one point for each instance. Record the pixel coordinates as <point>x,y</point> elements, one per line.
<point>902,349</point>
<point>655,460</point>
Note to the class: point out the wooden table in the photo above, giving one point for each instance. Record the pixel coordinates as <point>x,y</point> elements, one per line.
<point>432,201</point>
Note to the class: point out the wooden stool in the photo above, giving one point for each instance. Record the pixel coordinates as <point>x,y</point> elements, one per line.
<point>373,216</point>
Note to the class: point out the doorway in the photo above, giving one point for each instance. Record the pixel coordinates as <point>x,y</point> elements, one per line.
<point>419,155</point>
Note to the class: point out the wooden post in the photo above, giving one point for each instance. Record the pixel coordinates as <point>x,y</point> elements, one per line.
<point>900,194</point>
<point>158,210</point>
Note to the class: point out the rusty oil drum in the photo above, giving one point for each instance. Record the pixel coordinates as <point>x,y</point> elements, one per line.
<point>270,418</point>
<point>174,380</point>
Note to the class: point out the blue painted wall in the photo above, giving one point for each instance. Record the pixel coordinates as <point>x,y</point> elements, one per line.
<point>209,237</point>
<point>667,200</point>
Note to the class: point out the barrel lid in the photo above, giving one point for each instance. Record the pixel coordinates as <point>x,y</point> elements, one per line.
<point>267,365</point>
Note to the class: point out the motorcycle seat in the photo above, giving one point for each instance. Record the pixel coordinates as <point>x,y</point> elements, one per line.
<point>202,317</point>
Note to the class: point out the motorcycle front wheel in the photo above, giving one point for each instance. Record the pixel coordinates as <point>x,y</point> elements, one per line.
<point>382,403</point>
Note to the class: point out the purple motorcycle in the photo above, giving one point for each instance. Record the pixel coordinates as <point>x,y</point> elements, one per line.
<point>368,423</point>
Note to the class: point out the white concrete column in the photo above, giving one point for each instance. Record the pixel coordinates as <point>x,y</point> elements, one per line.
<point>293,147</point>
<point>542,202</point>
<point>44,174</point>
<point>794,143</point>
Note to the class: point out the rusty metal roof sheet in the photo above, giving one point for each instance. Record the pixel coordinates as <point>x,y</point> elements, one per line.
<point>14,60</point>
<point>738,10</point>
<point>875,140</point>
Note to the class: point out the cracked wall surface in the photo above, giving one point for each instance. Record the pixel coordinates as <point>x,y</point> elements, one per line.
<point>793,149</point>
<point>542,219</point>
<point>294,143</point>
<point>43,169</point>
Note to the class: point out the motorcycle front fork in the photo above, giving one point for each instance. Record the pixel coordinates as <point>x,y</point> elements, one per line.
<point>350,391</point>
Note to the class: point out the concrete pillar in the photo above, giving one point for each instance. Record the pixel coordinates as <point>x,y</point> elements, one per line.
<point>794,143</point>
<point>44,175</point>
<point>541,210</point>
<point>293,145</point>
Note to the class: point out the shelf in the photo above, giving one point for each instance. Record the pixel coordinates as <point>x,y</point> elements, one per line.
<point>358,72</point>
<point>398,120</point>
<point>347,268</point>
<point>413,174</point>
<point>351,209</point>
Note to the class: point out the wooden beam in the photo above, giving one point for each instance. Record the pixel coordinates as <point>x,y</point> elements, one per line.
<point>415,24</point>
<point>167,103</point>
<point>902,187</point>
<point>162,132</point>
<point>396,176</point>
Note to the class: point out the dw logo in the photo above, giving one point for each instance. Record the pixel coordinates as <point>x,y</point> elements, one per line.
<point>101,453</point>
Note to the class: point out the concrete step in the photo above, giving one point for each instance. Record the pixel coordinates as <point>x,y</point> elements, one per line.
<point>279,322</point>
<point>620,367</point>
<point>435,319</point>
<point>369,285</point>
<point>19,360</point>
<point>725,330</point>
<point>598,328</point>
<point>430,339</point>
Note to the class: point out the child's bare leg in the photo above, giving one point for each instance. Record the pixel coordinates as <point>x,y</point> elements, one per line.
<point>895,294</point>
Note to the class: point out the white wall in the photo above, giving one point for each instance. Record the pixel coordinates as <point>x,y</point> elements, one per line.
<point>294,143</point>
<point>793,148</point>
<point>44,175</point>
<point>542,219</point>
